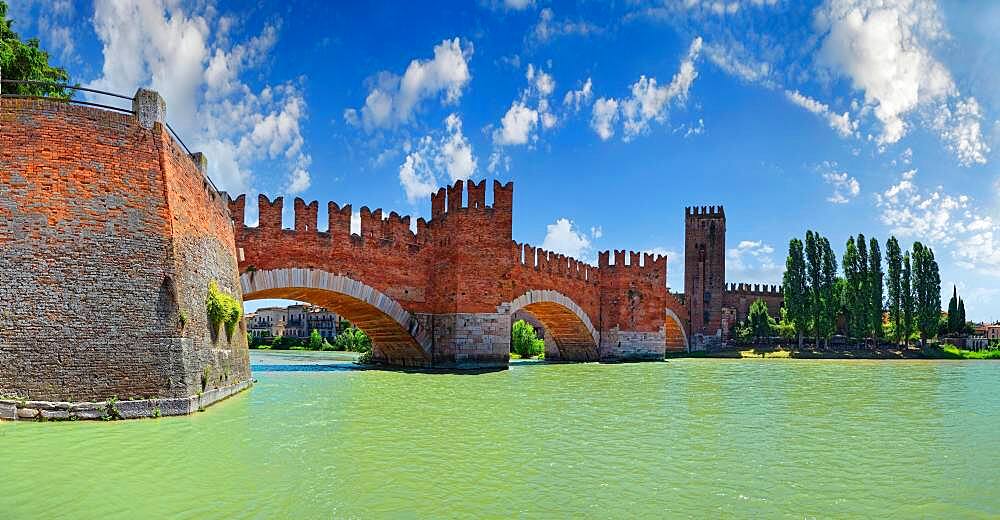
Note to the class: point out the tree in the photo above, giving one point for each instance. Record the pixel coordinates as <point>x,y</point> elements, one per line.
<point>963,325</point>
<point>814,273</point>
<point>851,274</point>
<point>315,340</point>
<point>876,296</point>
<point>828,291</point>
<point>25,60</point>
<point>760,322</point>
<point>926,291</point>
<point>352,339</point>
<point>795,289</point>
<point>907,299</point>
<point>523,341</point>
<point>953,311</point>
<point>894,259</point>
<point>862,288</point>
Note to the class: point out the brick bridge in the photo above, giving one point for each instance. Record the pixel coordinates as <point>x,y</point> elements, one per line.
<point>444,296</point>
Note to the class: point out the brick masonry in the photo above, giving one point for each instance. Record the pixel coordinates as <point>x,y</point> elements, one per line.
<point>457,276</point>
<point>109,236</point>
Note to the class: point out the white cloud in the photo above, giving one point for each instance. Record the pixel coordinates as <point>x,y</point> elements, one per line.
<point>448,157</point>
<point>961,132</point>
<point>298,182</point>
<point>579,98</point>
<point>722,8</point>
<point>393,99</point>
<point>519,123</point>
<point>882,46</point>
<point>518,5</point>
<point>841,123</point>
<point>937,217</point>
<point>548,27</point>
<point>604,117</point>
<point>752,261</point>
<point>845,187</point>
<point>564,238</point>
<point>596,232</point>
<point>648,101</point>
<point>197,69</point>
<point>516,125</point>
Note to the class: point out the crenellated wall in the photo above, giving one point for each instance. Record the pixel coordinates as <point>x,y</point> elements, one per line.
<point>459,275</point>
<point>739,297</point>
<point>109,236</point>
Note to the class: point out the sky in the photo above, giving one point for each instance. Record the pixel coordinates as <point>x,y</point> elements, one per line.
<point>879,117</point>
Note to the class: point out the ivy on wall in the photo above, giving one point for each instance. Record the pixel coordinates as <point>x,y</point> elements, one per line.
<point>222,309</point>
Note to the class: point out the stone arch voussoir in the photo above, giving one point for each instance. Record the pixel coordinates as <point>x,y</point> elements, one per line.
<point>565,321</point>
<point>672,317</point>
<point>402,339</point>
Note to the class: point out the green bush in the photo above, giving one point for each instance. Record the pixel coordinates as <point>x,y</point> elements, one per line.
<point>365,358</point>
<point>316,341</point>
<point>523,341</point>
<point>352,339</point>
<point>222,309</point>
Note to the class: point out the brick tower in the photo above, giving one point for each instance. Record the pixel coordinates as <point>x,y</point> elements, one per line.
<point>704,268</point>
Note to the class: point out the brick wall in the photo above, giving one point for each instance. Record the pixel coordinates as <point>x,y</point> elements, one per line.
<point>102,244</point>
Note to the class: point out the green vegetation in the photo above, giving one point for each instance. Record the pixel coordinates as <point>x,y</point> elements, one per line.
<point>948,351</point>
<point>817,300</point>
<point>523,341</point>
<point>222,309</point>
<point>111,412</point>
<point>352,339</point>
<point>25,60</point>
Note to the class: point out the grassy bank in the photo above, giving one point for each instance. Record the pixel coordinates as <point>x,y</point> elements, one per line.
<point>883,352</point>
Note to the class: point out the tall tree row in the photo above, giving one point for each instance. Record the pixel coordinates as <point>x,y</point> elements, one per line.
<point>909,288</point>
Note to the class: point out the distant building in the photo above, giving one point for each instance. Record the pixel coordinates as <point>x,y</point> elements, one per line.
<point>294,321</point>
<point>993,332</point>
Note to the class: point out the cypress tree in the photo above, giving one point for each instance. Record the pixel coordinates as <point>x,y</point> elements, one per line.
<point>795,289</point>
<point>850,262</point>
<point>814,271</point>
<point>927,292</point>
<point>894,261</point>
<point>961,316</point>
<point>907,299</point>
<point>933,294</point>
<point>953,310</point>
<point>876,299</point>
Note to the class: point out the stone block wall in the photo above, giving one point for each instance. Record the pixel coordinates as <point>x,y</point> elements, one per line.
<point>104,244</point>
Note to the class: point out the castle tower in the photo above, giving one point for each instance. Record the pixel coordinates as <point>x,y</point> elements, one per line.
<point>704,267</point>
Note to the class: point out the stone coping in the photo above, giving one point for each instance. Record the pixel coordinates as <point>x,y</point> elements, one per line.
<point>20,410</point>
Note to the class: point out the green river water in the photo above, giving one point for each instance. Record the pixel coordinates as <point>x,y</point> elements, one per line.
<point>685,438</point>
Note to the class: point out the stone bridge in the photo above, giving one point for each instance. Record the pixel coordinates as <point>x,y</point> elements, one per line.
<point>444,296</point>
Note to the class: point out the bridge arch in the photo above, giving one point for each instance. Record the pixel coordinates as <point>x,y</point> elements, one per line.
<point>676,336</point>
<point>565,323</point>
<point>397,337</point>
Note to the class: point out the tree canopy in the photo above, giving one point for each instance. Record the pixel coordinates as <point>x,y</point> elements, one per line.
<point>26,60</point>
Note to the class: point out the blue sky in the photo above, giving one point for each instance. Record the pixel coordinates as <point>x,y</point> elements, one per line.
<point>844,116</point>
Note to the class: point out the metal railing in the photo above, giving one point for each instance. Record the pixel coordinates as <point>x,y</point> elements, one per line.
<point>54,85</point>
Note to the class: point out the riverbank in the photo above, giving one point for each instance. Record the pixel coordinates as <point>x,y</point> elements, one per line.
<point>883,352</point>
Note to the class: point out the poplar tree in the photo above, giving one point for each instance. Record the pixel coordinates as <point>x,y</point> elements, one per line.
<point>907,298</point>
<point>814,271</point>
<point>831,303</point>
<point>927,292</point>
<point>862,296</point>
<point>894,261</point>
<point>876,296</point>
<point>850,262</point>
<point>795,289</point>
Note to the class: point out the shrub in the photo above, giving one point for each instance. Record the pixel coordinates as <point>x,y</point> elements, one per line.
<point>316,341</point>
<point>352,339</point>
<point>365,358</point>
<point>523,341</point>
<point>222,309</point>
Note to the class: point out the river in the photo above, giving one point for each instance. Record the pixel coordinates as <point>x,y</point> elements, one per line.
<point>685,438</point>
